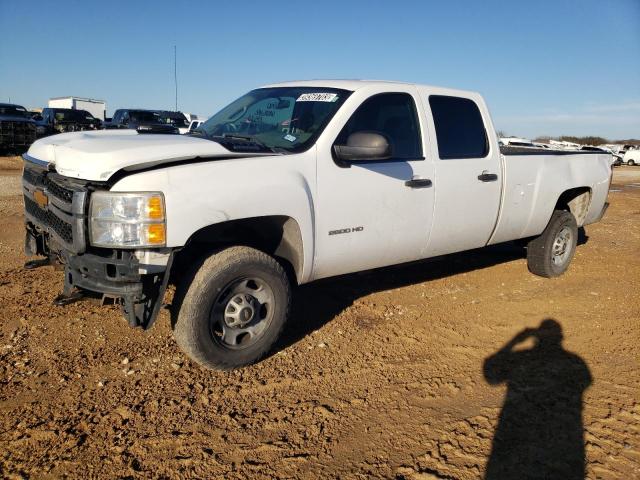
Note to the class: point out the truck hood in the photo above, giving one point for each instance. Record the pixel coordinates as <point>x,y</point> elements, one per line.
<point>97,155</point>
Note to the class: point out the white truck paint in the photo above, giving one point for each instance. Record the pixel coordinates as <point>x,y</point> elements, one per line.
<point>632,157</point>
<point>344,218</point>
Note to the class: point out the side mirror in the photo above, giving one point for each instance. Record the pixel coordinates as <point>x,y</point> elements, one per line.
<point>363,147</point>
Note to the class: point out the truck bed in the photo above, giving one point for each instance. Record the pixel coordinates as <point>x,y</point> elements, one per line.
<point>516,150</point>
<point>533,180</point>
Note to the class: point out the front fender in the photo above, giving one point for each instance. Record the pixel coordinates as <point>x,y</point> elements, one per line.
<point>198,195</point>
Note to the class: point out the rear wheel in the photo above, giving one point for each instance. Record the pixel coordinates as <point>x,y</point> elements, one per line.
<point>631,163</point>
<point>234,309</point>
<point>550,254</point>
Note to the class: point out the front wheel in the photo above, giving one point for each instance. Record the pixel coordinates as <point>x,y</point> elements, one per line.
<point>234,308</point>
<point>550,254</point>
<point>631,163</point>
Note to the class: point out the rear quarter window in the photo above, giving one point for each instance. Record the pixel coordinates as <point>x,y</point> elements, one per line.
<point>459,127</point>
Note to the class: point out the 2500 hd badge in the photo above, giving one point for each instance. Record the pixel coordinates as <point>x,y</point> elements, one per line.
<point>346,230</point>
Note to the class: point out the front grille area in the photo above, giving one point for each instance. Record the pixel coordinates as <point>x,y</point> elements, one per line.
<point>62,214</point>
<point>57,190</point>
<point>33,178</point>
<point>17,134</point>
<point>48,219</point>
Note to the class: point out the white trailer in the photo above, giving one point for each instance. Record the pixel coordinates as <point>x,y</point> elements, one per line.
<point>97,108</point>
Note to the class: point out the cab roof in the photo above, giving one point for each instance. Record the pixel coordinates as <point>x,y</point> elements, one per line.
<point>355,84</point>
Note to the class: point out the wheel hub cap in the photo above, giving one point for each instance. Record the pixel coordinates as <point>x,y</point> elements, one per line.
<point>562,246</point>
<point>240,310</point>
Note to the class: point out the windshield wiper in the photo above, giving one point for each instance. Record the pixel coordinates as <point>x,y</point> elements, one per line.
<point>245,138</point>
<point>243,141</point>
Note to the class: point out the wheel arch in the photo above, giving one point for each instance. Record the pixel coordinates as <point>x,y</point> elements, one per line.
<point>277,235</point>
<point>576,200</point>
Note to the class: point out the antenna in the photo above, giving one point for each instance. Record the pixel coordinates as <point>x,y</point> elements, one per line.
<point>175,73</point>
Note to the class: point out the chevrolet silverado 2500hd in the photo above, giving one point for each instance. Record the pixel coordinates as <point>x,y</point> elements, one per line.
<point>288,184</point>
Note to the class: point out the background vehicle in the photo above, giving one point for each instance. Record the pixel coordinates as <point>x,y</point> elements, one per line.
<point>195,124</point>
<point>58,120</point>
<point>632,157</point>
<point>616,160</point>
<point>35,114</point>
<point>292,183</point>
<point>97,108</point>
<point>17,128</point>
<point>177,119</point>
<point>517,142</point>
<point>564,145</point>
<point>148,120</point>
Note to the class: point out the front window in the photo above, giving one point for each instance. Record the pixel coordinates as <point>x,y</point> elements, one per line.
<point>143,116</point>
<point>285,119</point>
<point>394,116</point>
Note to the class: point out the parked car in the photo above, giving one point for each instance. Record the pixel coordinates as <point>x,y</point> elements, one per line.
<point>17,128</point>
<point>60,120</point>
<point>195,124</point>
<point>177,119</point>
<point>632,157</point>
<point>35,115</point>
<point>292,183</point>
<point>617,160</point>
<point>148,121</point>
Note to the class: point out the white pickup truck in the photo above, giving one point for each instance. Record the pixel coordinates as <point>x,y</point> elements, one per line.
<point>291,183</point>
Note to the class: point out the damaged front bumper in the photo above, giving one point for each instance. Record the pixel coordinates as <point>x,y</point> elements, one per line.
<point>56,226</point>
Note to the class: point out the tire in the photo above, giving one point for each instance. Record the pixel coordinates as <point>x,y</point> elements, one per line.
<point>233,310</point>
<point>550,254</point>
<point>631,163</point>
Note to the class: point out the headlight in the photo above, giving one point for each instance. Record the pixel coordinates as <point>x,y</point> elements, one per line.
<point>127,219</point>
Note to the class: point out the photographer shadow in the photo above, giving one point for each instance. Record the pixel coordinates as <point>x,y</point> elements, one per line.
<point>540,432</point>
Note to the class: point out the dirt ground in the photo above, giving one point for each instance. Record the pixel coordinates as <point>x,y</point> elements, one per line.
<point>397,373</point>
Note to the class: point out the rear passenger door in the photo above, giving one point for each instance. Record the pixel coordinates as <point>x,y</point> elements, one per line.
<point>468,174</point>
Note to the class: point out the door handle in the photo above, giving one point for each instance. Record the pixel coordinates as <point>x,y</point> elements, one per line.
<point>487,177</point>
<point>418,183</point>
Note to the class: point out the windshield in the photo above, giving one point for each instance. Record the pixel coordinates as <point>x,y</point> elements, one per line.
<point>143,116</point>
<point>72,115</point>
<point>13,110</point>
<point>176,119</point>
<point>284,118</point>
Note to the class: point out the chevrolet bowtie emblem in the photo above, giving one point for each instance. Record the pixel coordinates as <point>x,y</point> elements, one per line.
<point>41,198</point>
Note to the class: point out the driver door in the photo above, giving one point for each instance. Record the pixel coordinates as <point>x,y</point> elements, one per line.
<point>373,214</point>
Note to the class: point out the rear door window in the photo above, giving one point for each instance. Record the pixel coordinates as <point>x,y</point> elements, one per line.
<point>459,127</point>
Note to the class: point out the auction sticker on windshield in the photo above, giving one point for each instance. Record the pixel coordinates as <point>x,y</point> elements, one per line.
<point>318,97</point>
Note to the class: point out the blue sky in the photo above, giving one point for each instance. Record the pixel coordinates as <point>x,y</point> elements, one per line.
<point>545,67</point>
